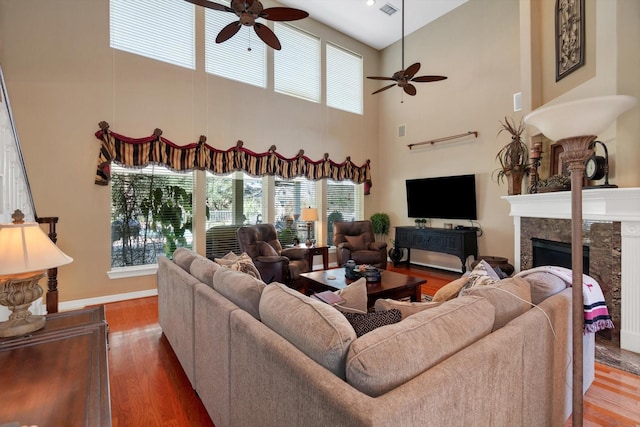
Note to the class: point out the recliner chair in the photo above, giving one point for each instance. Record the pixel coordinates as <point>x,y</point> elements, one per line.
<point>355,240</point>
<point>275,264</point>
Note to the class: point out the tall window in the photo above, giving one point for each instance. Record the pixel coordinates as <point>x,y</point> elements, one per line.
<point>296,68</point>
<point>158,29</point>
<point>291,196</point>
<point>344,203</point>
<point>243,57</point>
<point>151,214</point>
<point>344,79</point>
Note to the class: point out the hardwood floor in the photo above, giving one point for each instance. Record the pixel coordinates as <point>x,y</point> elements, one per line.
<point>149,388</point>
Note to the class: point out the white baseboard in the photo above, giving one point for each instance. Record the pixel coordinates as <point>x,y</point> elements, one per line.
<point>81,303</point>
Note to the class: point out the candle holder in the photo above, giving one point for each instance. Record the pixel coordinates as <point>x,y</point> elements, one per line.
<point>536,159</point>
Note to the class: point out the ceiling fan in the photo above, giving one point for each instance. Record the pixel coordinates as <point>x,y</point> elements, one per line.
<point>405,76</point>
<point>248,11</point>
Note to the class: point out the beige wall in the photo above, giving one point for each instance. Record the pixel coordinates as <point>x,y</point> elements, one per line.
<point>63,79</point>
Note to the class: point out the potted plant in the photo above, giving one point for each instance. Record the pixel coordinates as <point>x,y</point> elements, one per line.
<point>380,223</point>
<point>513,157</point>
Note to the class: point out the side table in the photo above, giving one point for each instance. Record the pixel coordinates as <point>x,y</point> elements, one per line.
<point>323,251</point>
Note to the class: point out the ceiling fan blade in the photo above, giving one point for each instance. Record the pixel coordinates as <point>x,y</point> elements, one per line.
<point>211,5</point>
<point>228,31</point>
<point>267,36</point>
<point>428,78</point>
<point>412,70</point>
<point>283,14</point>
<point>384,88</point>
<point>381,78</point>
<point>410,89</point>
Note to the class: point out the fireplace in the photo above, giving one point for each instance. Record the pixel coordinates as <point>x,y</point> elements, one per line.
<point>550,252</point>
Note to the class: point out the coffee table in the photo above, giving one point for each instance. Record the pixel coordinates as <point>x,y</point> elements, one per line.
<point>391,285</point>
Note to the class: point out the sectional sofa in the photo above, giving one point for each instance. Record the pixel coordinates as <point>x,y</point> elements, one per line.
<point>266,355</point>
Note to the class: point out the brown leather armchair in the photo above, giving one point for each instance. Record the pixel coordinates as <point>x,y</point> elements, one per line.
<point>275,264</point>
<point>355,240</point>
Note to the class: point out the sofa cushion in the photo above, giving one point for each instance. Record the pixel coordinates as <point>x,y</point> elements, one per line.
<point>450,290</point>
<point>366,322</point>
<point>355,296</point>
<point>356,242</point>
<point>315,328</point>
<point>265,249</point>
<point>511,297</point>
<point>183,258</point>
<point>242,262</point>
<point>241,289</point>
<point>407,308</point>
<point>543,285</point>
<point>388,357</point>
<point>202,268</point>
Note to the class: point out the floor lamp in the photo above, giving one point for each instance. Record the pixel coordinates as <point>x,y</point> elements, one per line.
<point>575,125</point>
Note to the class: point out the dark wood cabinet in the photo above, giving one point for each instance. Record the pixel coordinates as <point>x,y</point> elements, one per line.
<point>460,243</point>
<point>58,376</point>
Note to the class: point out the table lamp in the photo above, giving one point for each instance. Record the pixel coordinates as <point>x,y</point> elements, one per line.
<point>309,215</point>
<point>575,125</point>
<point>26,253</point>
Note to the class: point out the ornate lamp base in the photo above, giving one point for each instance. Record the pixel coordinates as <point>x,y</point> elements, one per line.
<point>17,293</point>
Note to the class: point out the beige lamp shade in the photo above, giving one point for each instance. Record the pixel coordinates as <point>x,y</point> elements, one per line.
<point>589,116</point>
<point>309,214</point>
<point>25,248</point>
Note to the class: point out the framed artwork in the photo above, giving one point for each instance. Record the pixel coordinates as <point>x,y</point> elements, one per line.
<point>570,36</point>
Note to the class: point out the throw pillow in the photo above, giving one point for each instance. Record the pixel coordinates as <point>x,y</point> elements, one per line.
<point>265,249</point>
<point>482,274</point>
<point>450,290</point>
<point>356,242</point>
<point>367,322</point>
<point>406,308</point>
<point>242,262</point>
<point>355,296</point>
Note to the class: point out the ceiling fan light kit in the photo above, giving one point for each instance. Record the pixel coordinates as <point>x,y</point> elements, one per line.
<point>247,12</point>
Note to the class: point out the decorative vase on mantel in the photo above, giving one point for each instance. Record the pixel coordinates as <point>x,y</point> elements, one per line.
<point>514,181</point>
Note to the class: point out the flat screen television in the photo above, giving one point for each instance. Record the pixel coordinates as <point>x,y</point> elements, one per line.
<point>446,197</point>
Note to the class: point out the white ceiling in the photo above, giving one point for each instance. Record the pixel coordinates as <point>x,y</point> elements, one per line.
<point>369,24</point>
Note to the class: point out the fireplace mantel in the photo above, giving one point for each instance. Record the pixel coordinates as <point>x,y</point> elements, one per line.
<point>598,204</point>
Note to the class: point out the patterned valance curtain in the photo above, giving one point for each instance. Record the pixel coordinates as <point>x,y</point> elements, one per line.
<point>154,149</point>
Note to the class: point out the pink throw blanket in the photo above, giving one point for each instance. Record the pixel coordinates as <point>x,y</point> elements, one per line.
<point>596,314</point>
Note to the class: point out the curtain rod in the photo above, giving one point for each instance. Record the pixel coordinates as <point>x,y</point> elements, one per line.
<point>446,138</point>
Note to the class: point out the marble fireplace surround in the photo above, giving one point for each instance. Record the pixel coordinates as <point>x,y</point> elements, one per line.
<point>612,229</point>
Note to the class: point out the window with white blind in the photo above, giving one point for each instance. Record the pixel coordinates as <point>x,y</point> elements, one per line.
<point>157,29</point>
<point>344,79</point>
<point>345,202</point>
<point>297,65</point>
<point>151,214</point>
<point>243,57</point>
<point>291,196</point>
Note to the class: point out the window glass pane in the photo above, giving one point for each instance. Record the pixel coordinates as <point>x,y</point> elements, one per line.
<point>297,65</point>
<point>158,29</point>
<point>344,203</point>
<point>344,79</point>
<point>243,57</point>
<point>151,214</point>
<point>232,201</point>
<point>291,196</point>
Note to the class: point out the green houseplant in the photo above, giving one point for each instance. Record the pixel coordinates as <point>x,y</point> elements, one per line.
<point>380,223</point>
<point>513,157</point>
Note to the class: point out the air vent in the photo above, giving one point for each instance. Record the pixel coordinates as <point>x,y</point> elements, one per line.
<point>389,9</point>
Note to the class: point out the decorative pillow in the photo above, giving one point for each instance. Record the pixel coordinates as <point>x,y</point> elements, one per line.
<point>367,322</point>
<point>315,328</point>
<point>265,249</point>
<point>406,308</point>
<point>450,290</point>
<point>202,268</point>
<point>356,242</point>
<point>543,285</point>
<point>241,289</point>
<point>183,258</point>
<point>242,262</point>
<point>355,296</point>
<point>482,274</point>
<point>510,297</point>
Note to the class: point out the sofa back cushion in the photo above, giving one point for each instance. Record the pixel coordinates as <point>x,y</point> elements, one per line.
<point>389,356</point>
<point>511,297</point>
<point>183,258</point>
<point>202,268</point>
<point>543,285</point>
<point>240,288</point>
<point>315,328</point>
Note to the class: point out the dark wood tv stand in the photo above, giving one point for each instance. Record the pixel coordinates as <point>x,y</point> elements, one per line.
<point>460,243</point>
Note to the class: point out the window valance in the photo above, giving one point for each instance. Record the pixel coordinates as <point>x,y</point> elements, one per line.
<point>154,149</point>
